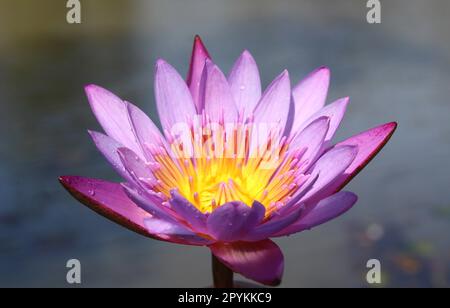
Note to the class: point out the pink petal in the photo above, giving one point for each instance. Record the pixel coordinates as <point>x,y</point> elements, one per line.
<point>144,129</point>
<point>173,99</point>
<point>310,95</point>
<point>311,138</point>
<point>369,143</point>
<point>112,114</point>
<point>137,170</point>
<point>275,102</point>
<point>108,200</point>
<point>335,111</point>
<point>218,100</point>
<point>146,200</point>
<point>329,167</point>
<point>188,212</point>
<point>272,226</point>
<point>245,84</point>
<point>198,59</point>
<point>260,261</point>
<point>326,210</point>
<point>108,147</point>
<point>232,221</point>
<point>175,232</point>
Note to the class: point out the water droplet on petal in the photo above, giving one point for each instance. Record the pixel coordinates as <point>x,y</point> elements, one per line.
<point>242,88</point>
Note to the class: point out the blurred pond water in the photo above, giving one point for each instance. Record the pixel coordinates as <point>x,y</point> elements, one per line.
<point>399,70</point>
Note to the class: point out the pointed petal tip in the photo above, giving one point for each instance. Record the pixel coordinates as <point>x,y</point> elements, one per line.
<point>160,63</point>
<point>324,70</point>
<point>283,77</point>
<point>246,55</point>
<point>391,126</point>
<point>64,179</point>
<point>91,87</point>
<point>198,42</point>
<point>345,100</point>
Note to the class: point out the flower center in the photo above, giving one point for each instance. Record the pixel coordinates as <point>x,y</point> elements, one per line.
<point>217,165</point>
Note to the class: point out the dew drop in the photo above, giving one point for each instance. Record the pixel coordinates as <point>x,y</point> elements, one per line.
<point>91,192</point>
<point>242,88</point>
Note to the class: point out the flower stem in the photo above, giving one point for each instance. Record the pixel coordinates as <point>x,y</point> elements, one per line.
<point>222,275</point>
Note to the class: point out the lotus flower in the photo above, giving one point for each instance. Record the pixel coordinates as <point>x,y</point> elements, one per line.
<point>232,167</point>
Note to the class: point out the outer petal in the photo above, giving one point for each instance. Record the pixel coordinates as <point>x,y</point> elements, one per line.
<point>232,221</point>
<point>198,59</point>
<point>108,200</point>
<point>173,99</point>
<point>245,84</point>
<point>274,104</point>
<point>335,111</point>
<point>326,210</point>
<point>310,95</point>
<point>260,261</point>
<point>175,232</point>
<point>369,143</point>
<point>329,167</point>
<point>112,114</point>
<point>188,212</point>
<point>218,100</point>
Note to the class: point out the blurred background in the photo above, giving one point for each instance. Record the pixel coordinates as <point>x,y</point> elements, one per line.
<point>398,70</point>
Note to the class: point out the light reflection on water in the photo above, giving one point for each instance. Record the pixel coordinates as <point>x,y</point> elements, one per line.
<point>391,72</point>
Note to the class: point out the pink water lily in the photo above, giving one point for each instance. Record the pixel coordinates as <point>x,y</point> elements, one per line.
<point>232,167</point>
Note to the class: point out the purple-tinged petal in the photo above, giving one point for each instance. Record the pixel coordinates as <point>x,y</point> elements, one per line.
<point>329,167</point>
<point>175,232</point>
<point>275,102</point>
<point>108,200</point>
<point>133,164</point>
<point>149,202</point>
<point>310,95</point>
<point>260,261</point>
<point>293,203</point>
<point>112,114</point>
<point>173,99</point>
<point>369,143</point>
<point>108,147</point>
<point>198,59</point>
<point>144,129</point>
<point>217,98</point>
<point>335,111</point>
<point>311,138</point>
<point>245,84</point>
<point>326,210</point>
<point>232,221</point>
<point>272,226</point>
<point>188,212</point>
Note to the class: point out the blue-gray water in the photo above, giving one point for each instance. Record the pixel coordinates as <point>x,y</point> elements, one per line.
<point>398,70</point>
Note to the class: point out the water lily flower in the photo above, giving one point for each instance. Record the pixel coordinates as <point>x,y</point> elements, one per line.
<point>232,167</point>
